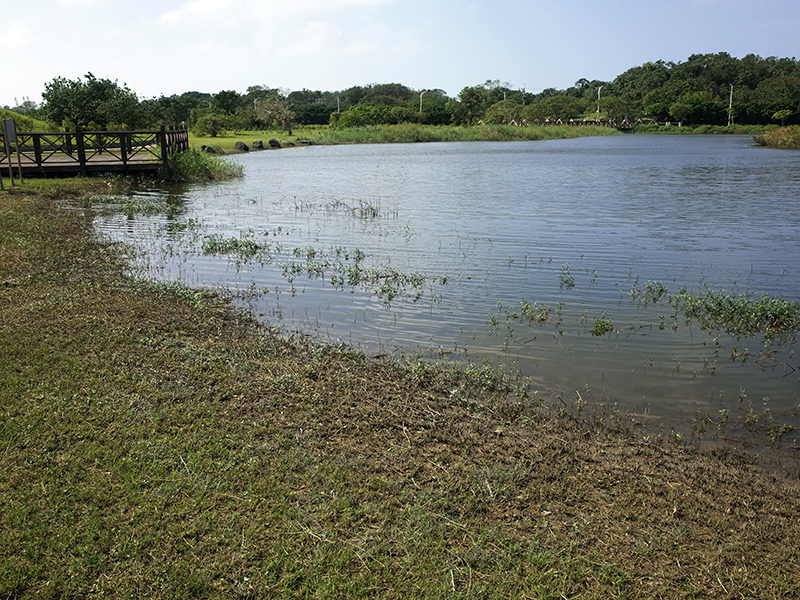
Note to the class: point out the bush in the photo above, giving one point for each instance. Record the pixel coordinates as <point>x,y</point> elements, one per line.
<point>787,138</point>
<point>211,124</point>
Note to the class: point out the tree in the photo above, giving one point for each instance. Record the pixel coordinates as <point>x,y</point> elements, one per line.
<point>275,111</point>
<point>615,107</point>
<point>504,112</point>
<point>387,94</point>
<point>99,101</point>
<point>706,108</point>
<point>782,115</point>
<point>209,122</point>
<point>680,110</point>
<point>28,107</point>
<point>365,114</point>
<point>170,110</point>
<point>553,108</point>
<point>227,101</point>
<point>473,101</point>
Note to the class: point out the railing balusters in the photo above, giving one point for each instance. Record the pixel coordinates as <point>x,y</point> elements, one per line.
<point>96,150</point>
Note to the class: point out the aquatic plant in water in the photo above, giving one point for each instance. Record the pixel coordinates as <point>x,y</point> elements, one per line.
<point>741,316</point>
<point>602,326</point>
<point>243,247</point>
<point>650,292</point>
<point>566,278</point>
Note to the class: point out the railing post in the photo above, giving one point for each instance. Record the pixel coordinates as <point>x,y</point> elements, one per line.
<point>123,147</point>
<point>164,170</point>
<point>81,150</point>
<point>37,149</point>
<point>163,140</point>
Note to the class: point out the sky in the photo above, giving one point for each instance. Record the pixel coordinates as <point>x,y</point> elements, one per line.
<point>165,47</point>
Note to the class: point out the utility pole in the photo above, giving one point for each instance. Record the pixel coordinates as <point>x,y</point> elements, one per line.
<point>730,108</point>
<point>598,104</point>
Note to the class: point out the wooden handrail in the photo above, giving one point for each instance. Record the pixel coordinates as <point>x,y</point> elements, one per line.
<point>84,148</point>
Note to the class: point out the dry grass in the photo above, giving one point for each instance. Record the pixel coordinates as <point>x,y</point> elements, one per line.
<point>787,138</point>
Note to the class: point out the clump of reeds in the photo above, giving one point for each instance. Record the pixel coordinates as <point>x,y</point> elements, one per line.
<point>192,166</point>
<point>787,138</point>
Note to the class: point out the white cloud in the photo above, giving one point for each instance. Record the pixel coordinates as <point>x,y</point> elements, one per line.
<point>270,11</point>
<point>312,39</point>
<point>361,48</point>
<point>80,2</point>
<point>204,10</point>
<point>16,36</point>
<point>265,11</point>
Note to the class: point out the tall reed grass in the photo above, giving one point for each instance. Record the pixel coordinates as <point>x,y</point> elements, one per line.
<point>199,166</point>
<point>703,129</point>
<point>787,138</point>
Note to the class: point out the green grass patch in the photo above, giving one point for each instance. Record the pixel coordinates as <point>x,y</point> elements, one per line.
<point>25,123</point>
<point>411,133</point>
<point>225,143</point>
<point>404,133</point>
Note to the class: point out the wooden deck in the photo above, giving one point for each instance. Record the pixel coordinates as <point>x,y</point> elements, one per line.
<point>86,153</point>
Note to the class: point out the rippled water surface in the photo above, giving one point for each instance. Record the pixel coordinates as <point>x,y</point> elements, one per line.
<point>452,248</point>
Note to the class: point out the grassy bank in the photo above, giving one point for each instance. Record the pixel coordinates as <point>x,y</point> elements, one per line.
<point>704,129</point>
<point>787,138</point>
<point>409,133</point>
<point>158,444</point>
<point>406,133</point>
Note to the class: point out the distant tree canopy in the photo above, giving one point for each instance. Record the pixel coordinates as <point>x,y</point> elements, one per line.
<point>91,102</point>
<point>705,89</point>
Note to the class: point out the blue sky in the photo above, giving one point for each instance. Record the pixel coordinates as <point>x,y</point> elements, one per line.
<point>172,46</point>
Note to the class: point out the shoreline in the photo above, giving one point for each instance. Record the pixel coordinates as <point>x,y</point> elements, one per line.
<point>411,133</point>
<point>158,442</point>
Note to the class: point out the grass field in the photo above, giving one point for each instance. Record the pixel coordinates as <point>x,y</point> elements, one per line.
<point>157,443</point>
<point>405,133</point>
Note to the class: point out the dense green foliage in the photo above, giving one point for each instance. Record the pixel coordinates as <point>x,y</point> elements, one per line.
<point>92,103</point>
<point>707,89</point>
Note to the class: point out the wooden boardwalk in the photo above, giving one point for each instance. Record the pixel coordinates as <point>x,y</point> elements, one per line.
<point>86,153</point>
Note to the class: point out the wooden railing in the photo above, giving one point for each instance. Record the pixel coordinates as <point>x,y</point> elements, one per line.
<point>88,151</point>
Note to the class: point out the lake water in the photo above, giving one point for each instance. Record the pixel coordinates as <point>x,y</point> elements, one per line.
<point>449,249</point>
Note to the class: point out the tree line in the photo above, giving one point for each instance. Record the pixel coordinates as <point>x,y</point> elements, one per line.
<point>707,89</point>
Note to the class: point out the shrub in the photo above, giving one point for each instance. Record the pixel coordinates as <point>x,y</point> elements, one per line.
<point>787,138</point>
<point>199,166</point>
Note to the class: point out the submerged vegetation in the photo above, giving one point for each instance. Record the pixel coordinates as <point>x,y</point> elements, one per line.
<point>775,319</point>
<point>340,266</point>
